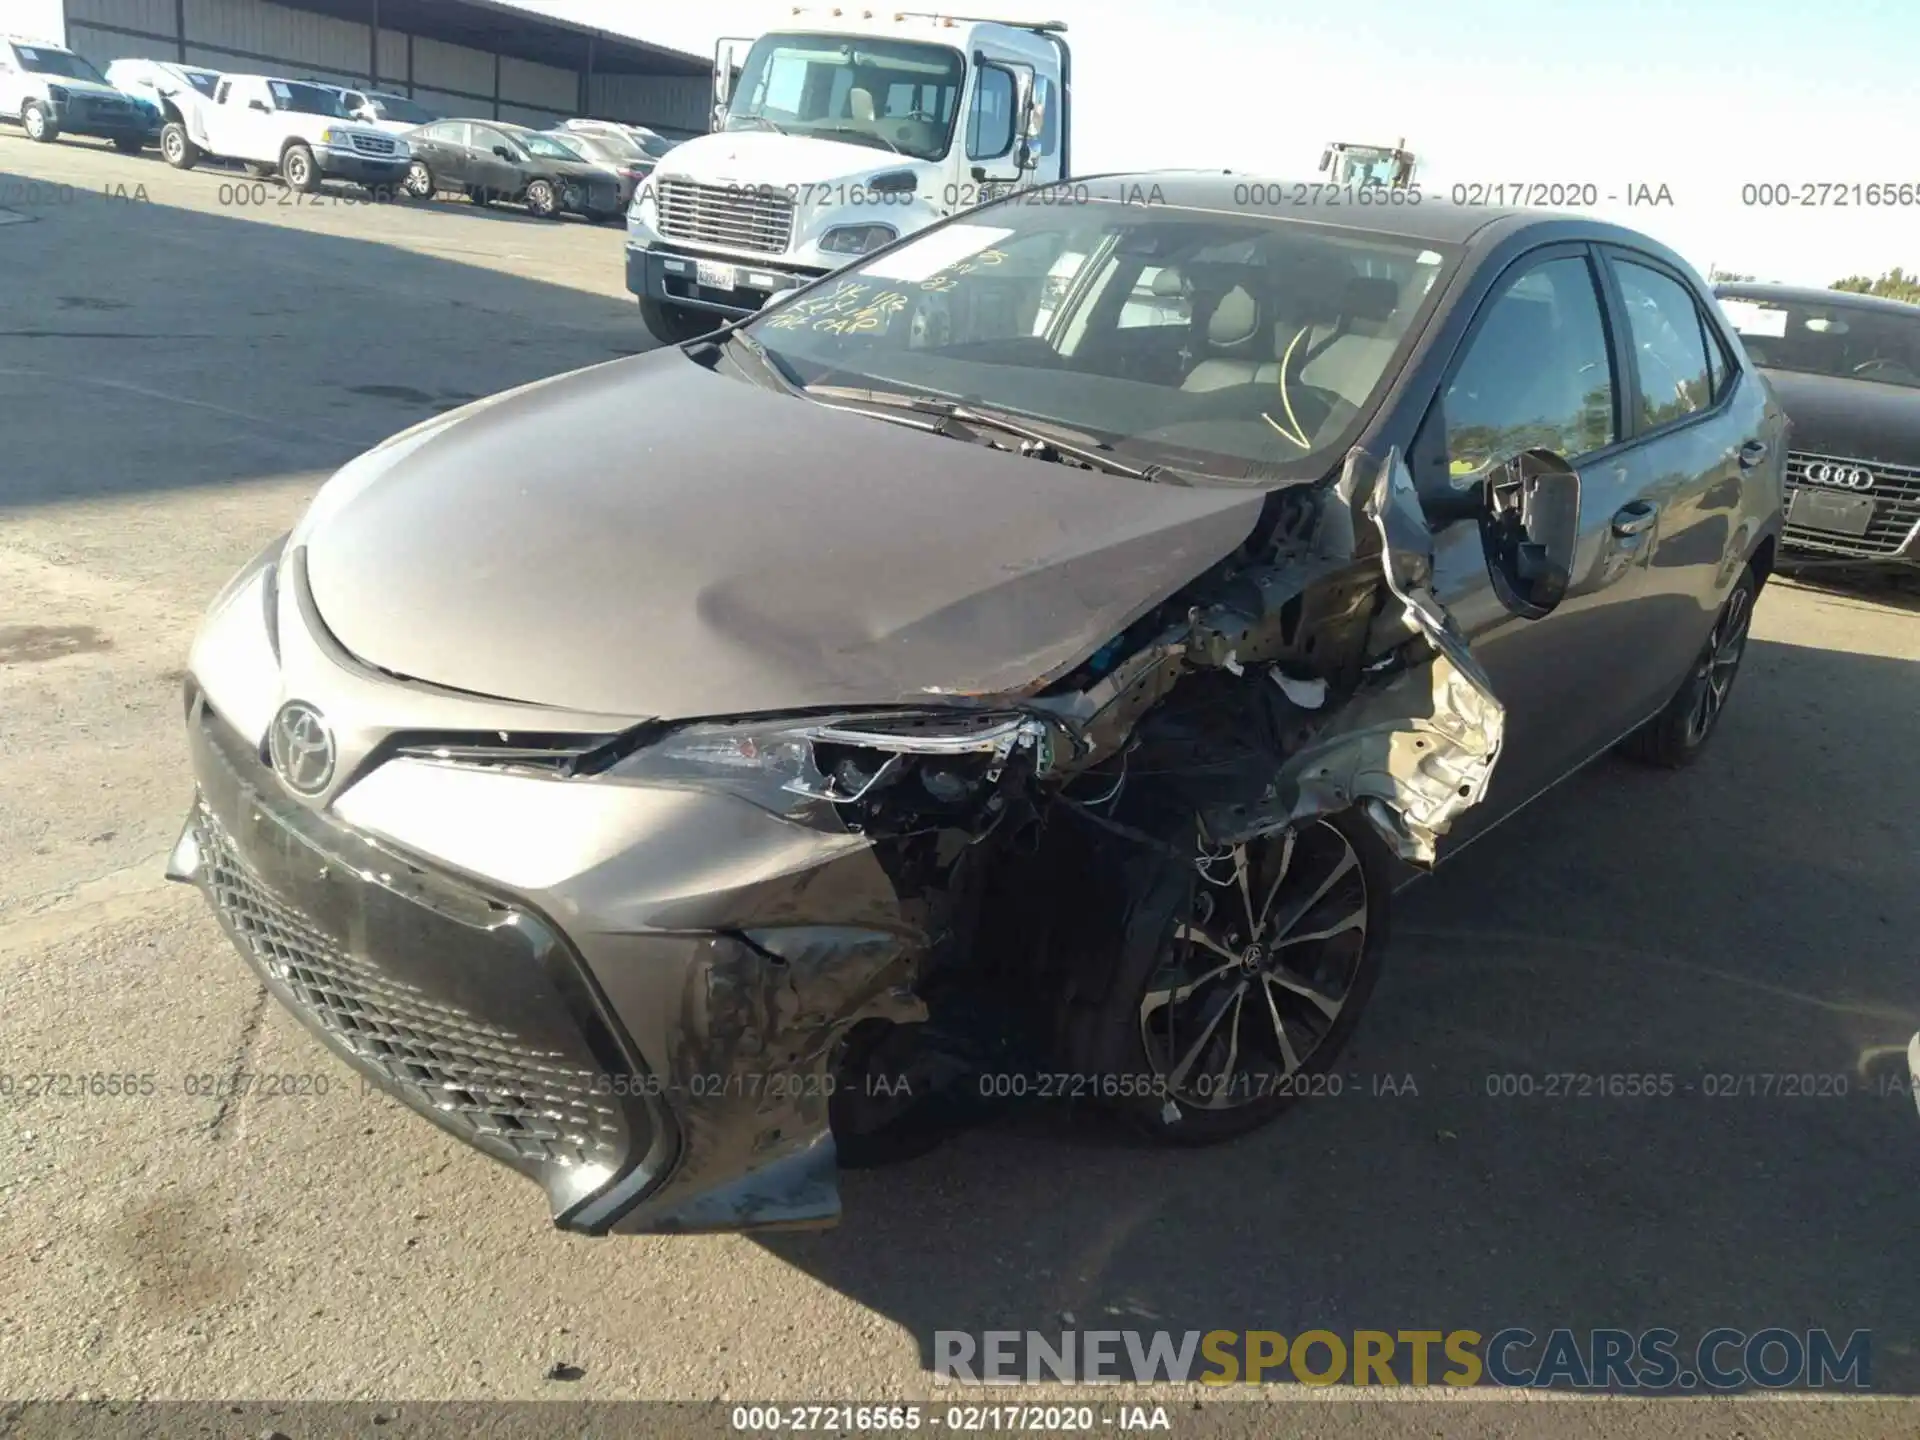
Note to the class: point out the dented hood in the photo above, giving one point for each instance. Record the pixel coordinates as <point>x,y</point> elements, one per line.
<point>650,538</point>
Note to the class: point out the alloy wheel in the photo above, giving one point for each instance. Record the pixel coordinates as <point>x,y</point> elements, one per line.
<point>35,121</point>
<point>1256,976</point>
<point>172,146</point>
<point>419,181</point>
<point>1719,661</point>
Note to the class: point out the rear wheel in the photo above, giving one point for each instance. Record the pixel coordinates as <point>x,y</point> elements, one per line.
<point>298,169</point>
<point>675,324</point>
<point>38,121</point>
<point>1236,980</point>
<point>1676,736</point>
<point>176,149</point>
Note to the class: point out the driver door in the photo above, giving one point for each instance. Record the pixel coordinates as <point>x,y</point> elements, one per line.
<point>1538,368</point>
<point>495,164</point>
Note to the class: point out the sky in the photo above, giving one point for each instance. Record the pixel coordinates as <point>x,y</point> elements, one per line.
<point>1703,97</point>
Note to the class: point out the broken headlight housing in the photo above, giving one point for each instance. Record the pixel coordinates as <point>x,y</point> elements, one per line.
<point>889,771</point>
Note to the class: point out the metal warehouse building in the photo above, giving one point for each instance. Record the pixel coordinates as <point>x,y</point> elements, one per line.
<point>461,57</point>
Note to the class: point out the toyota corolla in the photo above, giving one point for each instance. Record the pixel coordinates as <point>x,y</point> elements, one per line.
<point>1039,649</point>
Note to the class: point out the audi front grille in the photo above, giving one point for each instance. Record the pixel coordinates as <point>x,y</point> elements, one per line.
<point>1895,492</point>
<point>737,217</point>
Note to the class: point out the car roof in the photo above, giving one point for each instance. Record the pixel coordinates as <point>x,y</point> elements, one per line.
<point>1432,219</point>
<point>1813,295</point>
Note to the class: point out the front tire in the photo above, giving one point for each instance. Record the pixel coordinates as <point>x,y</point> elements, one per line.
<point>1675,737</point>
<point>298,169</point>
<point>176,149</point>
<point>543,201</point>
<point>1234,980</point>
<point>419,182</point>
<point>39,123</point>
<point>675,324</point>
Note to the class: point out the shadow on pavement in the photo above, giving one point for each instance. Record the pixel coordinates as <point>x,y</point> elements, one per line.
<point>1723,927</point>
<point>155,347</point>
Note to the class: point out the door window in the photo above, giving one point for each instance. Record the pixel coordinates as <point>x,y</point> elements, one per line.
<point>1537,373</point>
<point>1668,345</point>
<point>990,127</point>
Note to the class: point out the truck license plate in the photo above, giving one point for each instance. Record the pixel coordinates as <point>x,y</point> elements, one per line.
<point>1835,514</point>
<point>714,275</point>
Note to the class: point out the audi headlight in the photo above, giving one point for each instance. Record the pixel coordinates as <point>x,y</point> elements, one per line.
<point>876,773</point>
<point>857,239</point>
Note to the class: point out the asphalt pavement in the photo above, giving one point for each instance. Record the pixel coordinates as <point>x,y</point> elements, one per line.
<point>185,357</point>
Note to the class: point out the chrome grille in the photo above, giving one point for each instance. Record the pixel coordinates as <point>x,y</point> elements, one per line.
<point>736,216</point>
<point>479,1078</point>
<point>371,144</point>
<point>1896,507</point>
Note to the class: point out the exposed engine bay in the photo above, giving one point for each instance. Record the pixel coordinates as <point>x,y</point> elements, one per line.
<point>1310,674</point>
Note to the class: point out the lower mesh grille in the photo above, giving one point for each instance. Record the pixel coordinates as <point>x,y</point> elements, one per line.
<point>481,1080</point>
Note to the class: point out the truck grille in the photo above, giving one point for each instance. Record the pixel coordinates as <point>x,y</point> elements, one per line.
<point>479,1079</point>
<point>1896,508</point>
<point>371,144</point>
<point>738,217</point>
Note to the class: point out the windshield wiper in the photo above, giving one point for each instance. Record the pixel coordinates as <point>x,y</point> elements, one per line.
<point>769,363</point>
<point>1038,441</point>
<point>777,129</point>
<point>858,133</point>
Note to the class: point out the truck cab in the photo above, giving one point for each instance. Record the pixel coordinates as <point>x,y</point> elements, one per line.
<point>298,128</point>
<point>844,131</point>
<point>1345,163</point>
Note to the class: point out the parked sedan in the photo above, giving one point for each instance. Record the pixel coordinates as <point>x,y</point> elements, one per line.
<point>491,161</point>
<point>1847,370</point>
<point>680,775</point>
<point>615,153</point>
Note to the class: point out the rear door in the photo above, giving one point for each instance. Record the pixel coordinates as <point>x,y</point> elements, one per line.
<point>1698,431</point>
<point>1538,367</point>
<point>444,148</point>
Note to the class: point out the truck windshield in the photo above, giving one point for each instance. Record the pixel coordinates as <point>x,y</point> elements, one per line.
<point>401,111</point>
<point>57,62</point>
<point>1850,342</point>
<point>1232,347</point>
<point>307,99</point>
<point>894,95</point>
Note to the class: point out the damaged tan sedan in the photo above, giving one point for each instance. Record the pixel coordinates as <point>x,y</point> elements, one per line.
<point>1028,659</point>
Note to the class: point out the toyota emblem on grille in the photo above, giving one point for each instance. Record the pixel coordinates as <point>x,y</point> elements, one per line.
<point>302,748</point>
<point>1847,477</point>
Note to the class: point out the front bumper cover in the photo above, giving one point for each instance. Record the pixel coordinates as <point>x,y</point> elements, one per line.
<point>360,169</point>
<point>671,275</point>
<point>648,1081</point>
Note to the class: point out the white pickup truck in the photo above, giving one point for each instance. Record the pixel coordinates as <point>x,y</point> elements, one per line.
<point>300,130</point>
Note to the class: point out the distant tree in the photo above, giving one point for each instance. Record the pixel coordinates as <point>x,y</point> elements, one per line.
<point>1896,284</point>
<point>1718,276</point>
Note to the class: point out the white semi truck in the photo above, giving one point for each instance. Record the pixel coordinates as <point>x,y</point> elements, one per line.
<point>845,130</point>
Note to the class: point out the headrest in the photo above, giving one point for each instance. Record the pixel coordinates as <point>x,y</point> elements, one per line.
<point>1235,320</point>
<point>1169,283</point>
<point>1370,297</point>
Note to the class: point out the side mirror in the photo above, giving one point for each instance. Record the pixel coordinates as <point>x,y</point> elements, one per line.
<point>506,154</point>
<point>1326,158</point>
<point>261,106</point>
<point>1528,509</point>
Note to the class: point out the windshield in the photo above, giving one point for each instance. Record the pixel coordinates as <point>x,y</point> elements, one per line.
<point>307,99</point>
<point>405,112</point>
<point>57,62</point>
<point>1850,342</point>
<point>894,95</point>
<point>546,146</point>
<point>1219,344</point>
<point>606,144</point>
